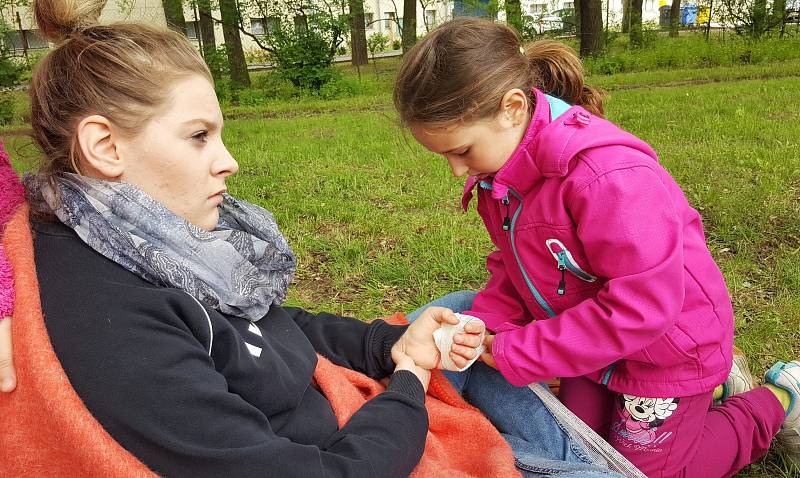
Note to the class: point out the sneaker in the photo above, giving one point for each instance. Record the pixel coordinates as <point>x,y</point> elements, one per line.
<point>787,377</point>
<point>739,379</point>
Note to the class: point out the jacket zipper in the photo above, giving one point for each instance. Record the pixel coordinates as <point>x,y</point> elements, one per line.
<point>566,263</point>
<point>536,295</point>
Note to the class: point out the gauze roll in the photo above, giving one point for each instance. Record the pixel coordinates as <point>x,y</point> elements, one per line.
<point>443,336</point>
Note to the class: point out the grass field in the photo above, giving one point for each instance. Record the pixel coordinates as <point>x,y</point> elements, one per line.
<point>375,220</point>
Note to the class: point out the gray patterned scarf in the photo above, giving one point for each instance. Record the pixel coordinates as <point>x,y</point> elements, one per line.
<point>241,268</point>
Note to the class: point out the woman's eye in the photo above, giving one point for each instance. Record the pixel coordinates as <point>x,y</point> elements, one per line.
<point>201,136</point>
<point>464,153</point>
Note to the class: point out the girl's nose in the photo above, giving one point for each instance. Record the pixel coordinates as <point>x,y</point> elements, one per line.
<point>456,166</point>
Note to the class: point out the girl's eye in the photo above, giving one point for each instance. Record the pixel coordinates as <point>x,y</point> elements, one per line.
<point>464,153</point>
<point>200,136</point>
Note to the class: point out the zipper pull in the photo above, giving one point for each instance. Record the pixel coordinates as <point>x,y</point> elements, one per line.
<point>506,220</point>
<point>562,286</point>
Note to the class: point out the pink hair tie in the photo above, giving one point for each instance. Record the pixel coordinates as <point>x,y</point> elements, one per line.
<point>6,286</point>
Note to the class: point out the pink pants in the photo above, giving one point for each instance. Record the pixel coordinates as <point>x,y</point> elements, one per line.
<point>679,437</point>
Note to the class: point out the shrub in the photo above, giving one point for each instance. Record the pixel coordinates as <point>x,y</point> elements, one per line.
<point>6,109</point>
<point>274,85</point>
<point>304,58</point>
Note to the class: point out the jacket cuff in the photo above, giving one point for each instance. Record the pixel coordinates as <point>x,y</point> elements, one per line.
<point>406,383</point>
<point>503,365</point>
<point>380,341</point>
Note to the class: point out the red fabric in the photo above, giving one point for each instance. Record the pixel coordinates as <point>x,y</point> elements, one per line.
<point>47,431</point>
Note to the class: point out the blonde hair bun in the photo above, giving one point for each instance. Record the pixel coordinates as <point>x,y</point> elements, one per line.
<point>57,19</point>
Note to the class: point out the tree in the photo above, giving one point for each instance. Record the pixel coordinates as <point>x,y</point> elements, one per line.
<point>635,32</point>
<point>514,14</point>
<point>409,24</point>
<point>231,19</point>
<point>173,12</point>
<point>358,34</point>
<point>591,20</point>
<point>207,39</point>
<point>674,18</point>
<point>753,18</point>
<point>626,16</point>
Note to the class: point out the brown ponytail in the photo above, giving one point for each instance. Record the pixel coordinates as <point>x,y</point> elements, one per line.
<point>558,72</point>
<point>462,69</point>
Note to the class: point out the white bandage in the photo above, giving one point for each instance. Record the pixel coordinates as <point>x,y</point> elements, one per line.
<point>443,336</point>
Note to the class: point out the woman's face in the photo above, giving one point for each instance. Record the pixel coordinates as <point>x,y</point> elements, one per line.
<point>179,158</point>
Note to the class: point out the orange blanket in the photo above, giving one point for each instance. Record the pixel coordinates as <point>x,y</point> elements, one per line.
<point>47,430</point>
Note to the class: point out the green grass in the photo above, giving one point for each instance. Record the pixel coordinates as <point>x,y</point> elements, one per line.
<point>376,224</point>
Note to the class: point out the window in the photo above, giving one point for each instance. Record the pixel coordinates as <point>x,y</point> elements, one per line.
<point>191,30</point>
<point>273,25</point>
<point>257,26</point>
<point>17,40</point>
<point>264,26</point>
<point>389,23</point>
<point>537,8</point>
<point>368,19</point>
<point>569,5</point>
<point>300,23</point>
<point>430,18</point>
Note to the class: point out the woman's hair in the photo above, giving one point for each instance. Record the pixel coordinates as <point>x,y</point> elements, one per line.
<point>462,69</point>
<point>122,71</point>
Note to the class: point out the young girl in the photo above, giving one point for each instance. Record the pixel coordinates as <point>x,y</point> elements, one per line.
<point>601,274</point>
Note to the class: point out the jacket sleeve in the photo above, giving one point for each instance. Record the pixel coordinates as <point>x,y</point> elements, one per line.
<point>351,343</point>
<point>173,410</point>
<point>632,235</point>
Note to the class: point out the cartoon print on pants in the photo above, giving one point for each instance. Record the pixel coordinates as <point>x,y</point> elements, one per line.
<point>642,416</point>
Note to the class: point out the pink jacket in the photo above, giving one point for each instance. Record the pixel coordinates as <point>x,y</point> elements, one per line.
<point>601,268</point>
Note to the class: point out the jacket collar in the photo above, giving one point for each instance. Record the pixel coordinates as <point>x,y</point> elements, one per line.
<point>545,151</point>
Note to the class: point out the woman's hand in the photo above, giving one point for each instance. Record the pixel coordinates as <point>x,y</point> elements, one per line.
<point>8,377</point>
<point>419,344</point>
<point>404,362</point>
<point>487,355</point>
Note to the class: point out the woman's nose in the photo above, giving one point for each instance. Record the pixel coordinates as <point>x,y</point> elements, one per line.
<point>226,164</point>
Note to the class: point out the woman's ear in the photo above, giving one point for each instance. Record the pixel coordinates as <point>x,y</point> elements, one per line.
<point>514,107</point>
<point>96,138</point>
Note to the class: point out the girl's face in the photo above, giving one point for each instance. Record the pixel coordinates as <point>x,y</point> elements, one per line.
<point>482,147</point>
<point>179,158</point>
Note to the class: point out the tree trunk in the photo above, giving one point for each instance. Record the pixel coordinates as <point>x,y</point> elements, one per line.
<point>592,37</point>
<point>636,23</point>
<point>358,34</point>
<point>409,24</point>
<point>759,18</point>
<point>577,8</point>
<point>173,12</point>
<point>674,18</point>
<point>206,25</point>
<point>514,14</point>
<point>229,12</point>
<point>626,16</point>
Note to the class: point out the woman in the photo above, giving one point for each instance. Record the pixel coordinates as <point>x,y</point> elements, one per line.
<point>162,293</point>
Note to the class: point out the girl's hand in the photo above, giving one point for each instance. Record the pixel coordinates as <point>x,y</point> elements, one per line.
<point>418,343</point>
<point>8,377</point>
<point>464,345</point>
<point>487,356</point>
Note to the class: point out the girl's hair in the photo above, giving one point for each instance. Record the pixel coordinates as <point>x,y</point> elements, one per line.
<point>123,71</point>
<point>462,69</point>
